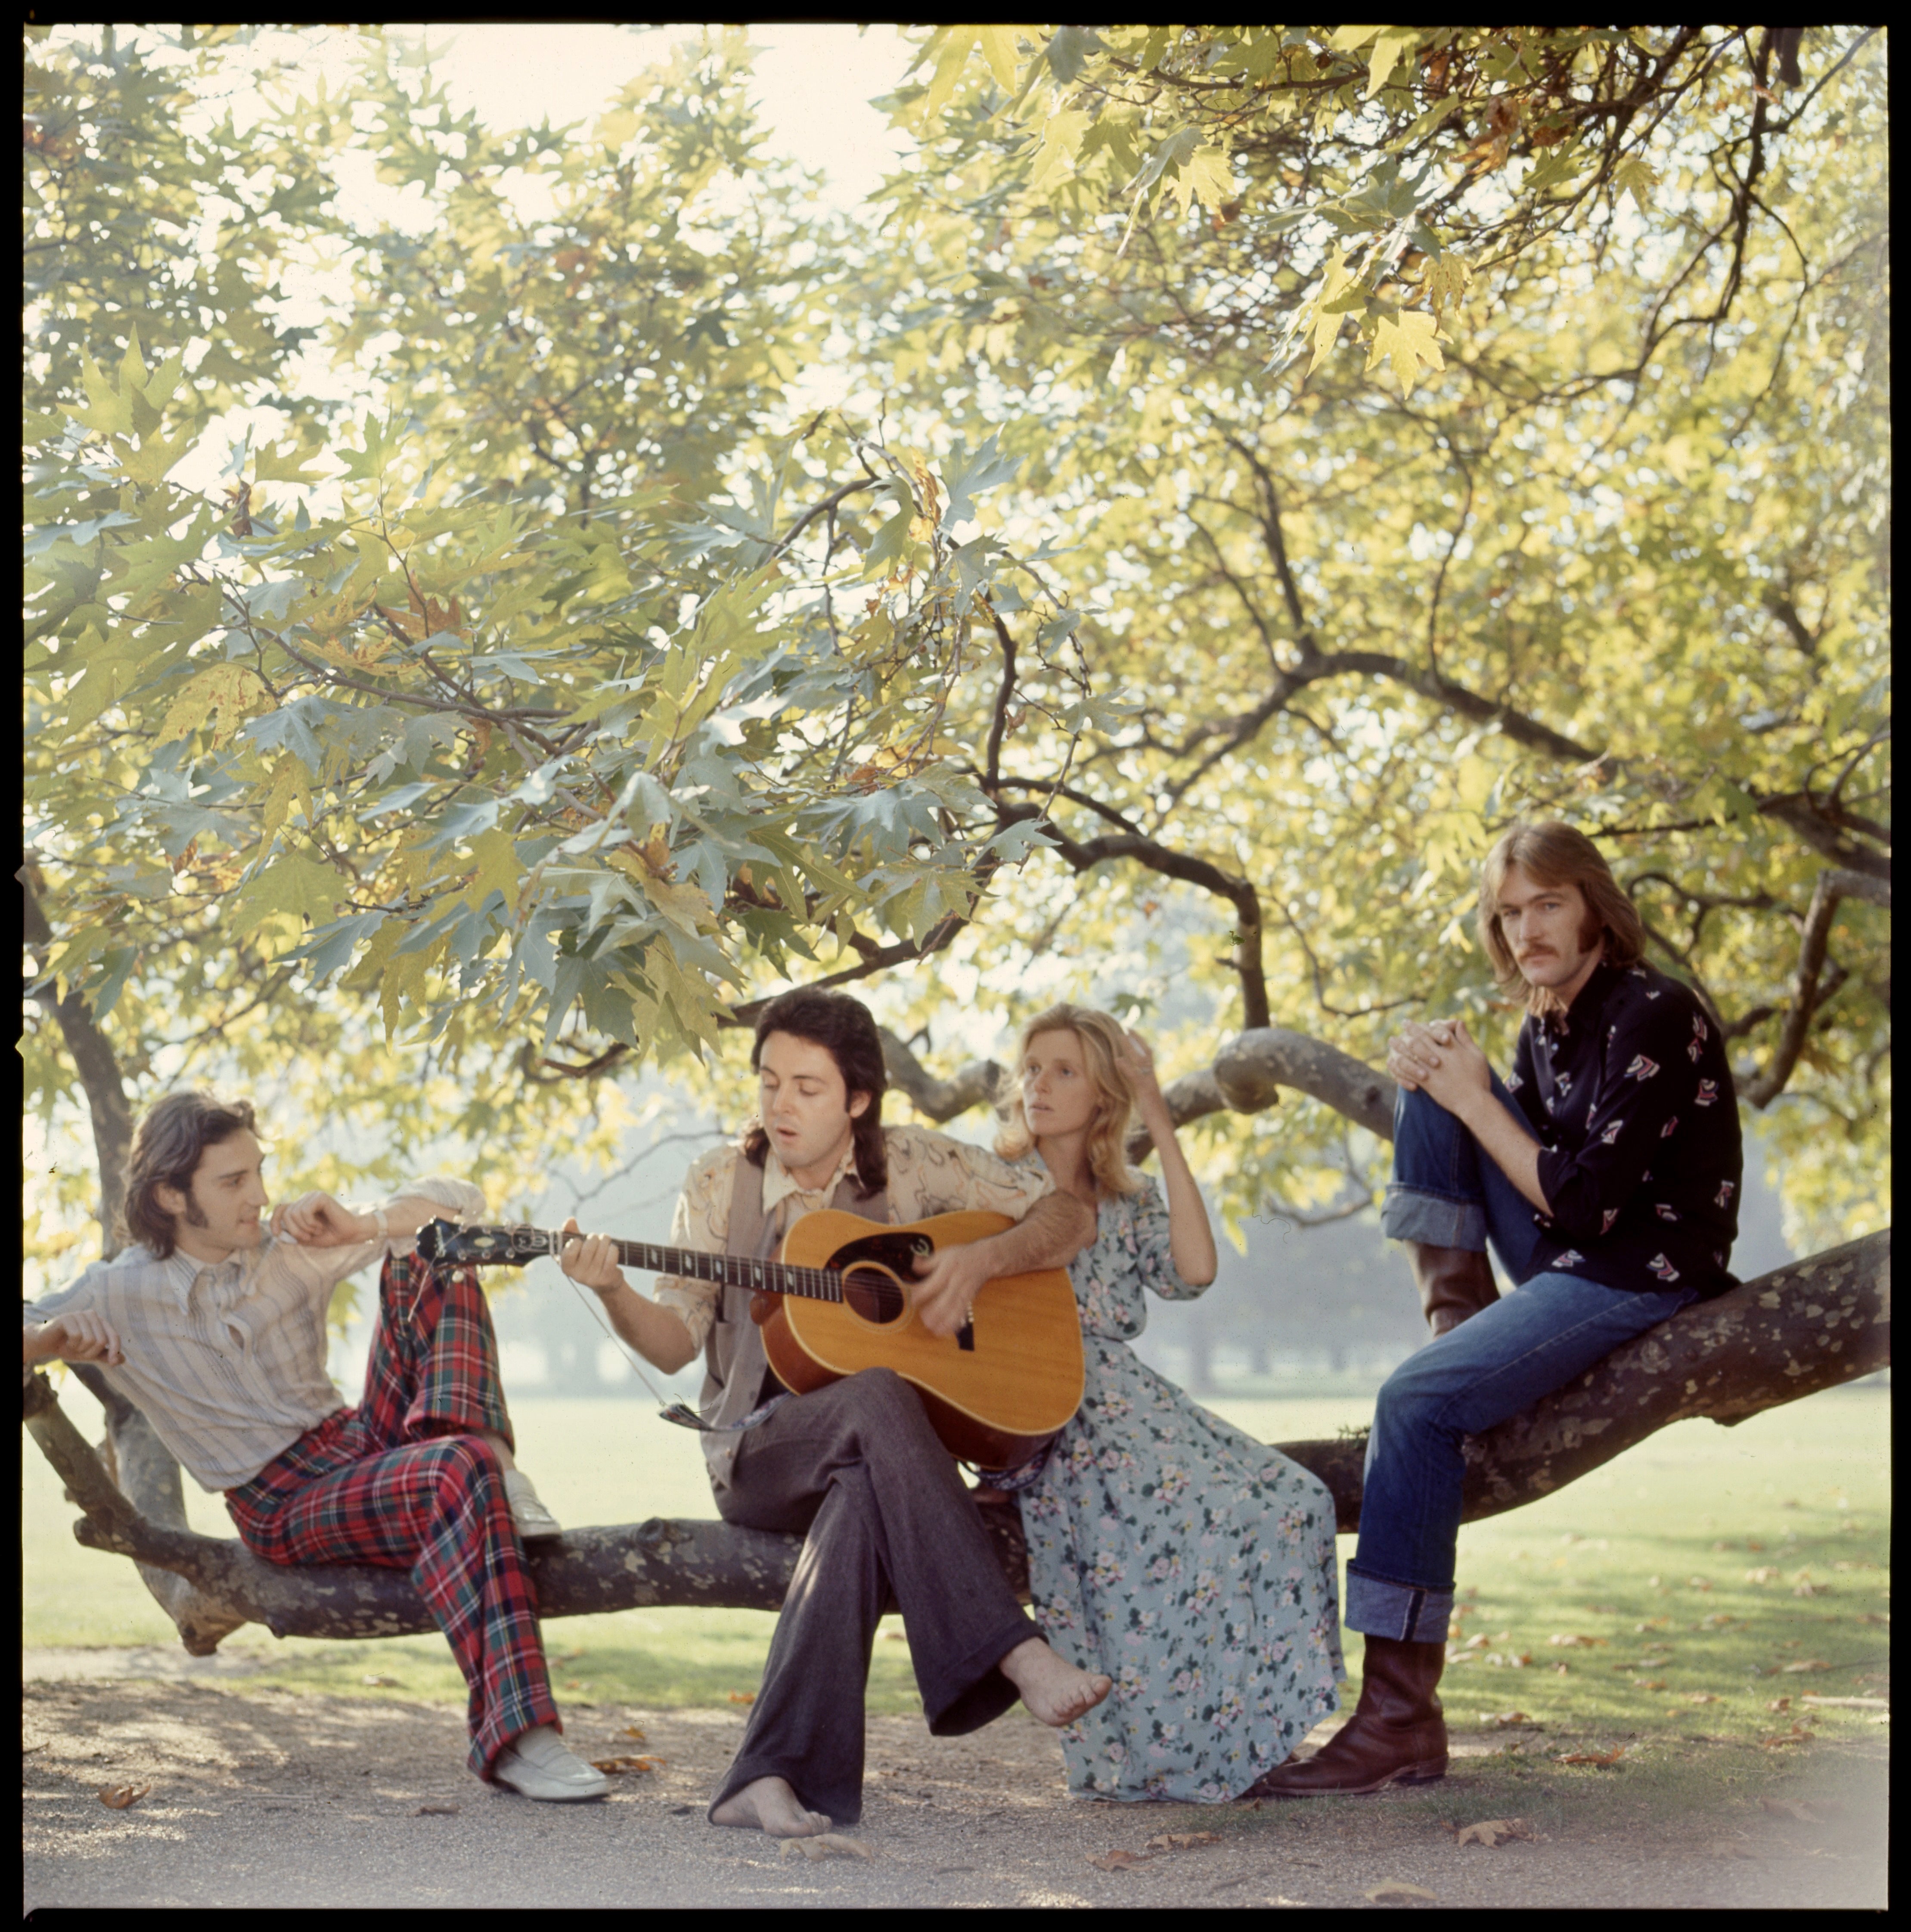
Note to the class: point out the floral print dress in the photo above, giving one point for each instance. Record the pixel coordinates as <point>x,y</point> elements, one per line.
<point>1192,1565</point>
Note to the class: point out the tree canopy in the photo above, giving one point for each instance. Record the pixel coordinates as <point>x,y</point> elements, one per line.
<point>1257,464</point>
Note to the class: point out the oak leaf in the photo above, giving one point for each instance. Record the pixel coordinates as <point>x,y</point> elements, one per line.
<point>625,1767</point>
<point>1612,1756</point>
<point>118,1797</point>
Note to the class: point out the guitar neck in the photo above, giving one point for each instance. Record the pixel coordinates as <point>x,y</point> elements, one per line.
<point>767,1277</point>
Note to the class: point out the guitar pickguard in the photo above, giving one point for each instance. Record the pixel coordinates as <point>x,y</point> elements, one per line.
<point>874,1266</point>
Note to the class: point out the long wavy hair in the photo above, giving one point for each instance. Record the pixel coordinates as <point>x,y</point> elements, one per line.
<point>1101,1037</point>
<point>847,1029</point>
<point>1554,853</point>
<point>166,1148</point>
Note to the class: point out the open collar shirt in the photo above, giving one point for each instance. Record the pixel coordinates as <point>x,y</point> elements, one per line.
<point>929,1173</point>
<point>1630,1093</point>
<point>227,1360</point>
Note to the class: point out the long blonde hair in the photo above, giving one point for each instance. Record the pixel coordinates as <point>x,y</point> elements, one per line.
<point>1101,1037</point>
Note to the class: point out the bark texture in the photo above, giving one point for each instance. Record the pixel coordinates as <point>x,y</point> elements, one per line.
<point>1823,1321</point>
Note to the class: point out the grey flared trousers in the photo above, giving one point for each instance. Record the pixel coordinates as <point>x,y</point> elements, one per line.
<point>857,1466</point>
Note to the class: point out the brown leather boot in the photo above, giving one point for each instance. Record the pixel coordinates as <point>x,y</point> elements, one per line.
<point>1453,1283</point>
<point>1396,1736</point>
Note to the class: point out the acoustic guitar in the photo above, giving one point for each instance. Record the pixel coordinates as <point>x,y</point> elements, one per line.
<point>841,1297</point>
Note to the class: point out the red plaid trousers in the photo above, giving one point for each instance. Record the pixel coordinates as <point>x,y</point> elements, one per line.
<point>400,1481</point>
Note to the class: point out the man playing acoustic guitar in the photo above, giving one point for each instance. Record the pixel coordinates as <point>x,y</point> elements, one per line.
<point>857,1466</point>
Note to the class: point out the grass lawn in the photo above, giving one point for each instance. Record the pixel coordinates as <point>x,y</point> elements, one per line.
<point>1700,1579</point>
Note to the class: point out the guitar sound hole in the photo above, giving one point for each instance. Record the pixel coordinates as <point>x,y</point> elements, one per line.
<point>872,1294</point>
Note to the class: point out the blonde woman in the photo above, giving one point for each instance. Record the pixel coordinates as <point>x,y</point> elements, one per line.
<point>1191,1563</point>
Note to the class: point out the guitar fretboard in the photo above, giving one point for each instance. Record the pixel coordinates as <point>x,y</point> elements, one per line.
<point>736,1270</point>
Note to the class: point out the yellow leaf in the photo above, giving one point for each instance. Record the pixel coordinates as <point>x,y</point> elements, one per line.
<point>1445,282</point>
<point>1387,48</point>
<point>1636,178</point>
<point>1204,177</point>
<point>998,49</point>
<point>226,693</point>
<point>954,50</point>
<point>1060,138</point>
<point>1325,327</point>
<point>1407,342</point>
<point>497,869</point>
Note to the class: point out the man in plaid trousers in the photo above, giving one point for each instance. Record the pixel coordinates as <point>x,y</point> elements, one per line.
<point>214,1325</point>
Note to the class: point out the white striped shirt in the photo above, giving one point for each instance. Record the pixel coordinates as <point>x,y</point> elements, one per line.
<point>227,1361</point>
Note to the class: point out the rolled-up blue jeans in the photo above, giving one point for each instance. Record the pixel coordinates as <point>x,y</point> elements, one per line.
<point>1447,1191</point>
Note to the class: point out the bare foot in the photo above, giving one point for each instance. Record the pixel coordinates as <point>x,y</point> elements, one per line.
<point>1056,1691</point>
<point>770,1805</point>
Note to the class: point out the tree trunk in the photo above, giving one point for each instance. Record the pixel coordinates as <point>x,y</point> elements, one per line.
<point>1809,1326</point>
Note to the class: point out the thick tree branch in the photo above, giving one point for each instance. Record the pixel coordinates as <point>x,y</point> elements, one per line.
<point>1810,1326</point>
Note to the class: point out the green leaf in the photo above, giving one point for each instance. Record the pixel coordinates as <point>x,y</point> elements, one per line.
<point>303,888</point>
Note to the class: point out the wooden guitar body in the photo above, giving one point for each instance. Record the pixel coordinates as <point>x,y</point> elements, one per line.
<point>995,1392</point>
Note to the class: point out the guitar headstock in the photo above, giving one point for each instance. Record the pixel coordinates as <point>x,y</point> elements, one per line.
<point>482,1247</point>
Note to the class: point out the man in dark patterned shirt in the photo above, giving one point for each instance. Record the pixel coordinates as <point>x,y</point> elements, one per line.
<point>1605,1171</point>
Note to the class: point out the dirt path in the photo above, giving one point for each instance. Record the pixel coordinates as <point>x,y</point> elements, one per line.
<point>265,1798</point>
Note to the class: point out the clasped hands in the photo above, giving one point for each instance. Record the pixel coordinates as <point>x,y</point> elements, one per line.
<point>1441,1059</point>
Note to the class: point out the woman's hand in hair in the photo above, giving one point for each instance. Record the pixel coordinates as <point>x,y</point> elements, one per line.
<point>1137,1063</point>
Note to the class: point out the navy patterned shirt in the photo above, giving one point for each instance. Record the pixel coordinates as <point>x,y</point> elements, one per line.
<point>1630,1093</point>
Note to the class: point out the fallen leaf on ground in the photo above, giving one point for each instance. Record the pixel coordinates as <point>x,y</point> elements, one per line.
<point>1763,1574</point>
<point>1561,1667</point>
<point>825,1845</point>
<point>1700,1697</point>
<point>1779,1704</point>
<point>436,1811</point>
<point>1493,1831</point>
<point>1508,1720</point>
<point>1791,1807</point>
<point>1118,1860</point>
<point>1180,1841</point>
<point>631,1731</point>
<point>382,1683</point>
<point>625,1767</point>
<point>1612,1756</point>
<point>1807,1663</point>
<point>1649,1683</point>
<point>118,1797</point>
<point>1797,1735</point>
<point>742,1696</point>
<point>1571,1640</point>
<point>1397,1891</point>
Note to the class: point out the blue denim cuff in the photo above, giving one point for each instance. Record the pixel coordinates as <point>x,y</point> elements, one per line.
<point>1408,1214</point>
<point>1407,1611</point>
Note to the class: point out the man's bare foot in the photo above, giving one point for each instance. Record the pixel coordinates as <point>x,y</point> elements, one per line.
<point>770,1805</point>
<point>1056,1691</point>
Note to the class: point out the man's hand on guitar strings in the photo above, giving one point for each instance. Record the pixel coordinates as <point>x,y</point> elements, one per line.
<point>590,1259</point>
<point>947,1283</point>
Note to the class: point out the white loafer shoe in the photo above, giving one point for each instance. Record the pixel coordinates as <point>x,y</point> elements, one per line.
<point>539,1764</point>
<point>527,1510</point>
